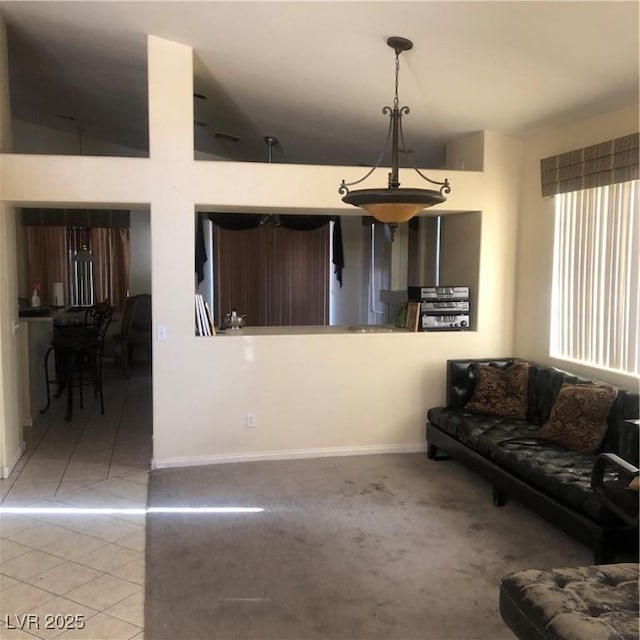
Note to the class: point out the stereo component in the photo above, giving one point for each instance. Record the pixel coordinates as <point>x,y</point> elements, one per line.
<point>443,322</point>
<point>438,293</point>
<point>442,308</point>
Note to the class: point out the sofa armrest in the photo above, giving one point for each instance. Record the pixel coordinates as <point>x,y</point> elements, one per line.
<point>623,439</point>
<point>614,492</point>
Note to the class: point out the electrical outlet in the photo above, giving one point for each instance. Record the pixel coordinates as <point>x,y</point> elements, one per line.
<point>162,333</point>
<point>250,420</point>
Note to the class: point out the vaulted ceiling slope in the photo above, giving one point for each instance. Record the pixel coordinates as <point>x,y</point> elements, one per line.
<point>315,75</point>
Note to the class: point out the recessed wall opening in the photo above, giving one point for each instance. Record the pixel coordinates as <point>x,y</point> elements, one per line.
<point>55,299</point>
<point>309,270</point>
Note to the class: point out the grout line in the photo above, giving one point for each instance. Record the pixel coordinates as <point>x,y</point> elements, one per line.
<point>73,450</point>
<point>28,454</point>
<point>119,427</point>
<point>53,593</point>
<point>55,555</point>
<point>75,561</point>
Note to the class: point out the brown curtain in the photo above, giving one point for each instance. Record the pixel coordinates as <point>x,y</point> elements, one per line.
<point>276,276</point>
<point>112,264</point>
<point>46,261</point>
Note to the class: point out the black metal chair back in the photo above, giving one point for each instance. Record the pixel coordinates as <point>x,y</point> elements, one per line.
<point>98,318</point>
<point>79,350</point>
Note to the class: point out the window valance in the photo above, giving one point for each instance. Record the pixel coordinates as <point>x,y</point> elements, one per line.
<point>601,164</point>
<point>49,217</point>
<point>243,221</point>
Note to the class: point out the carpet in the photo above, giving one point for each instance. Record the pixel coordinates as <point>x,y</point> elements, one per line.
<point>389,547</point>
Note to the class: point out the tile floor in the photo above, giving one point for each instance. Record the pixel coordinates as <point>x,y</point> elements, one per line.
<point>84,570</point>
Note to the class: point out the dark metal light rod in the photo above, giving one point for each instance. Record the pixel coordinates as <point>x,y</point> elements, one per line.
<point>394,180</point>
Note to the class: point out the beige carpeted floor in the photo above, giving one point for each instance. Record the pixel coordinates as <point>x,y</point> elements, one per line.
<point>388,547</point>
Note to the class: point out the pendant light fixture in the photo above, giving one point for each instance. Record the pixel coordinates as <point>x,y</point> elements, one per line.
<point>394,205</point>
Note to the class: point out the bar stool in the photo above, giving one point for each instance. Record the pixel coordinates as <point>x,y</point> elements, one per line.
<point>78,351</point>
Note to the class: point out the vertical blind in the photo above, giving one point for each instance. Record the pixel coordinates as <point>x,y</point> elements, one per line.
<point>595,296</point>
<point>80,267</point>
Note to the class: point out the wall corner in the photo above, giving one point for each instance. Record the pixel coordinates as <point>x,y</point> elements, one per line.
<point>5,105</point>
<point>466,153</point>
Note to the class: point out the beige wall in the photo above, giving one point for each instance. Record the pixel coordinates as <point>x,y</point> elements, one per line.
<point>466,153</point>
<point>11,339</point>
<point>310,393</point>
<point>357,392</point>
<point>535,237</point>
<point>10,393</point>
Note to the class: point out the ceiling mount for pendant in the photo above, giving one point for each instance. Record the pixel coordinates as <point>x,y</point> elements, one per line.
<point>270,141</point>
<point>399,44</point>
<point>394,205</point>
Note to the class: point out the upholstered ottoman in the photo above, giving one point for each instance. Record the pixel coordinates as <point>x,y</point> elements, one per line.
<point>581,603</point>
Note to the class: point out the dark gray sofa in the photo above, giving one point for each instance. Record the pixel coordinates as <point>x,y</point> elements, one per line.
<point>549,479</point>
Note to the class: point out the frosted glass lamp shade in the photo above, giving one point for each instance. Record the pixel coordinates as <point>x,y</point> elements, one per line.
<point>393,206</point>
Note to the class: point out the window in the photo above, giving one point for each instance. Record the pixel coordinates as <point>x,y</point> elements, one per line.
<point>80,267</point>
<point>86,250</point>
<point>595,295</point>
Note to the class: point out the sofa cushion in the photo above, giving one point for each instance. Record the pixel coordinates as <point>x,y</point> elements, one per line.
<point>478,431</point>
<point>500,392</point>
<point>576,602</point>
<point>558,472</point>
<point>578,417</point>
<point>515,446</point>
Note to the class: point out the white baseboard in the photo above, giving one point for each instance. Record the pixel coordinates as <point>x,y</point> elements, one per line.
<point>288,454</point>
<point>13,461</point>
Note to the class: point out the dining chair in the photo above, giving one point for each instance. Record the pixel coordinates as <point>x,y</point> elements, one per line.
<point>89,351</point>
<point>116,345</point>
<point>78,349</point>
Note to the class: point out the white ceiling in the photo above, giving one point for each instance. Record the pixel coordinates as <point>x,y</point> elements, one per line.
<point>316,74</point>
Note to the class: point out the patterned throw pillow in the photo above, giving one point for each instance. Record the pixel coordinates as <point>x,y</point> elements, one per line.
<point>578,419</point>
<point>500,392</point>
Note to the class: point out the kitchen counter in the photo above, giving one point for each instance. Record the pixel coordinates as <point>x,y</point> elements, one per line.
<point>310,329</point>
<point>34,338</point>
